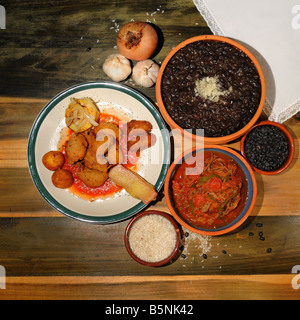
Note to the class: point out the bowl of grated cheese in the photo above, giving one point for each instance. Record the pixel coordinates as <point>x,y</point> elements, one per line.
<point>210,87</point>
<point>152,238</point>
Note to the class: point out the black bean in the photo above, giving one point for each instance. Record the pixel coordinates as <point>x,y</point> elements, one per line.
<point>224,251</point>
<point>211,59</point>
<point>266,147</point>
<point>251,234</point>
<point>269,250</point>
<point>259,225</point>
<point>204,256</point>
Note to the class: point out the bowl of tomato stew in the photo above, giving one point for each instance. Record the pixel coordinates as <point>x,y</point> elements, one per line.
<point>210,190</point>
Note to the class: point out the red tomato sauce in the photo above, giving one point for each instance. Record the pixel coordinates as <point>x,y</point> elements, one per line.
<point>79,188</point>
<point>105,117</point>
<point>213,198</point>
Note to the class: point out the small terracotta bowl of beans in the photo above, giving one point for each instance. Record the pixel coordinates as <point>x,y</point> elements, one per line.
<point>269,147</point>
<point>212,88</point>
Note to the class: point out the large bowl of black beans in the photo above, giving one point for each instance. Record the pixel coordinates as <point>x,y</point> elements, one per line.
<point>211,87</point>
<point>269,147</point>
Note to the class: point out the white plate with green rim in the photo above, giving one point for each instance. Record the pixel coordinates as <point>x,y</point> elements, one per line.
<point>46,132</point>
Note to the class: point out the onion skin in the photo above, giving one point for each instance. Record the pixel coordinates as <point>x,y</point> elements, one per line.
<point>137,40</point>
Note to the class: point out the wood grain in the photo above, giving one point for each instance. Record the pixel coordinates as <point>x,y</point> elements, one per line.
<point>62,246</point>
<point>255,287</point>
<point>277,195</point>
<point>13,154</point>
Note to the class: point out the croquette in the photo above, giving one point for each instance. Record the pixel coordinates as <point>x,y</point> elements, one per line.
<point>92,178</point>
<point>76,148</point>
<point>62,178</point>
<point>108,128</point>
<point>53,160</point>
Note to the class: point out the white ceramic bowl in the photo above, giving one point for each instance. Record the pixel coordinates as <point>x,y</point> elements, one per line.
<point>45,134</point>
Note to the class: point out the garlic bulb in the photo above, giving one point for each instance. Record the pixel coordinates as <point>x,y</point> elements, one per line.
<point>145,73</point>
<point>117,67</point>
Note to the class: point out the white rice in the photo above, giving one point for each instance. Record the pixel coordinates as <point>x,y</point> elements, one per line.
<point>152,238</point>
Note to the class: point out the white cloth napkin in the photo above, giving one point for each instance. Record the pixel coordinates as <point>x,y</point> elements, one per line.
<point>270,29</point>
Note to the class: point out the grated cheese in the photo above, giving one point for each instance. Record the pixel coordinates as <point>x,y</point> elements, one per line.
<point>152,238</point>
<point>210,88</point>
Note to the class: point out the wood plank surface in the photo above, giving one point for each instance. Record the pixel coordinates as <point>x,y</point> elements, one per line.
<point>48,46</point>
<point>277,195</point>
<point>236,287</point>
<point>62,246</point>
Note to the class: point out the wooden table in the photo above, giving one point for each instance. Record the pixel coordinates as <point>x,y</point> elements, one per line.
<point>48,46</point>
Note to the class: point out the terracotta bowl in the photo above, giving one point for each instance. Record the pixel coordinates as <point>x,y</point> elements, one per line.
<point>248,191</point>
<point>165,260</point>
<point>209,140</point>
<point>290,141</point>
